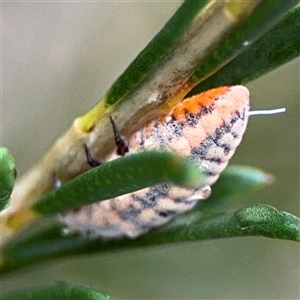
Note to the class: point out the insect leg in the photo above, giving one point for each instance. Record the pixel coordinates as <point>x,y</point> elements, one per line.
<point>92,162</point>
<point>122,146</point>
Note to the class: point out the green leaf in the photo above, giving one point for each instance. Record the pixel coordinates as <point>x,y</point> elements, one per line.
<point>7,176</point>
<point>234,183</point>
<point>60,291</point>
<point>156,50</point>
<point>254,27</point>
<point>48,242</point>
<point>265,220</point>
<point>255,220</point>
<point>273,49</point>
<point>201,38</point>
<point>251,23</point>
<point>121,176</point>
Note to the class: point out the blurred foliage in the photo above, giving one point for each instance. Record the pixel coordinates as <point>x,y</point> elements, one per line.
<point>60,291</point>
<point>8,175</point>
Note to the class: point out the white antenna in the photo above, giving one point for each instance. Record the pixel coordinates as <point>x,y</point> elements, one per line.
<point>266,112</point>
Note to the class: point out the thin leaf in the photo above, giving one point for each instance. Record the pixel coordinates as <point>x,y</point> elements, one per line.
<point>275,48</point>
<point>234,183</point>
<point>199,224</point>
<point>257,24</point>
<point>255,220</point>
<point>186,40</point>
<point>118,177</point>
<point>60,291</point>
<point>156,50</point>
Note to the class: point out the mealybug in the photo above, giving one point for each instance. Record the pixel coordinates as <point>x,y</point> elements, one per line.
<point>206,128</point>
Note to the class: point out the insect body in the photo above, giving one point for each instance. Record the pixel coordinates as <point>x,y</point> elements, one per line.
<point>206,128</point>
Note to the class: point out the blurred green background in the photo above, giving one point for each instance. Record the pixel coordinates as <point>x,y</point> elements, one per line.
<point>58,59</point>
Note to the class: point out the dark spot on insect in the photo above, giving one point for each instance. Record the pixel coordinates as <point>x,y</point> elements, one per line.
<point>235,135</point>
<point>185,111</point>
<point>191,119</point>
<point>209,173</point>
<point>130,214</point>
<point>226,150</point>
<point>217,160</point>
<point>204,110</point>
<point>166,214</point>
<point>76,210</point>
<point>175,127</point>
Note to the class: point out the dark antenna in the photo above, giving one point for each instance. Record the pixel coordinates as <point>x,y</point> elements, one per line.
<point>122,146</point>
<point>92,162</point>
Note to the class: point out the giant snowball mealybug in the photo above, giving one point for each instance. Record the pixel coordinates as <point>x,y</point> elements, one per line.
<point>206,128</point>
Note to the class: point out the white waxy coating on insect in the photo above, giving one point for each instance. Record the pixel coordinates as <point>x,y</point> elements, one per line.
<point>266,111</point>
<point>206,128</point>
